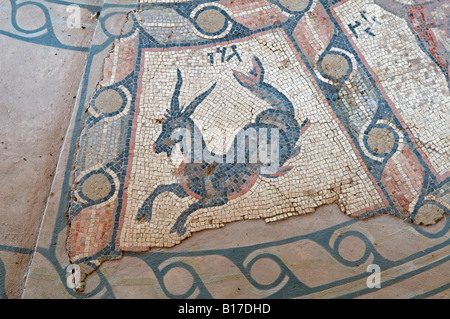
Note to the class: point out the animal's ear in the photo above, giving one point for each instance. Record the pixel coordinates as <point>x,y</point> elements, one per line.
<point>189,110</point>
<point>258,69</point>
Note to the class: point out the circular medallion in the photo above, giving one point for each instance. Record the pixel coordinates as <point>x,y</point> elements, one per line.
<point>265,271</point>
<point>211,21</point>
<point>116,24</point>
<point>335,66</point>
<point>96,187</point>
<point>108,101</point>
<point>30,17</point>
<point>178,281</point>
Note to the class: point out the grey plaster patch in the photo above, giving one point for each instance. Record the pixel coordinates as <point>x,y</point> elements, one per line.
<point>429,214</point>
<point>294,5</point>
<point>211,20</point>
<point>381,140</point>
<point>96,187</point>
<point>108,101</point>
<point>334,65</point>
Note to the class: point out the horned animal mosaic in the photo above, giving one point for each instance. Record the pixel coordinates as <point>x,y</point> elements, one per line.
<point>325,85</point>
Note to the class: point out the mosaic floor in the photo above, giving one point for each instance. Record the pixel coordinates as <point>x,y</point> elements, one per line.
<point>269,148</point>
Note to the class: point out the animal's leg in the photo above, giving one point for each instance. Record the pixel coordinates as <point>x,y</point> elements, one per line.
<point>179,226</point>
<point>146,208</point>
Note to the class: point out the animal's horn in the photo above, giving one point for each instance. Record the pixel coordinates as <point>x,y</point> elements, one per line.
<point>199,99</point>
<point>175,105</point>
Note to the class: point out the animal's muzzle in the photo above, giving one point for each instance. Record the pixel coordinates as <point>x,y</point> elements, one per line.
<point>159,148</point>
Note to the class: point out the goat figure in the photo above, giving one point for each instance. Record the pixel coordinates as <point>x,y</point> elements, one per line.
<point>226,177</point>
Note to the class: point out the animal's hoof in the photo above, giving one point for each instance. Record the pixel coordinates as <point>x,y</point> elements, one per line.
<point>144,213</point>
